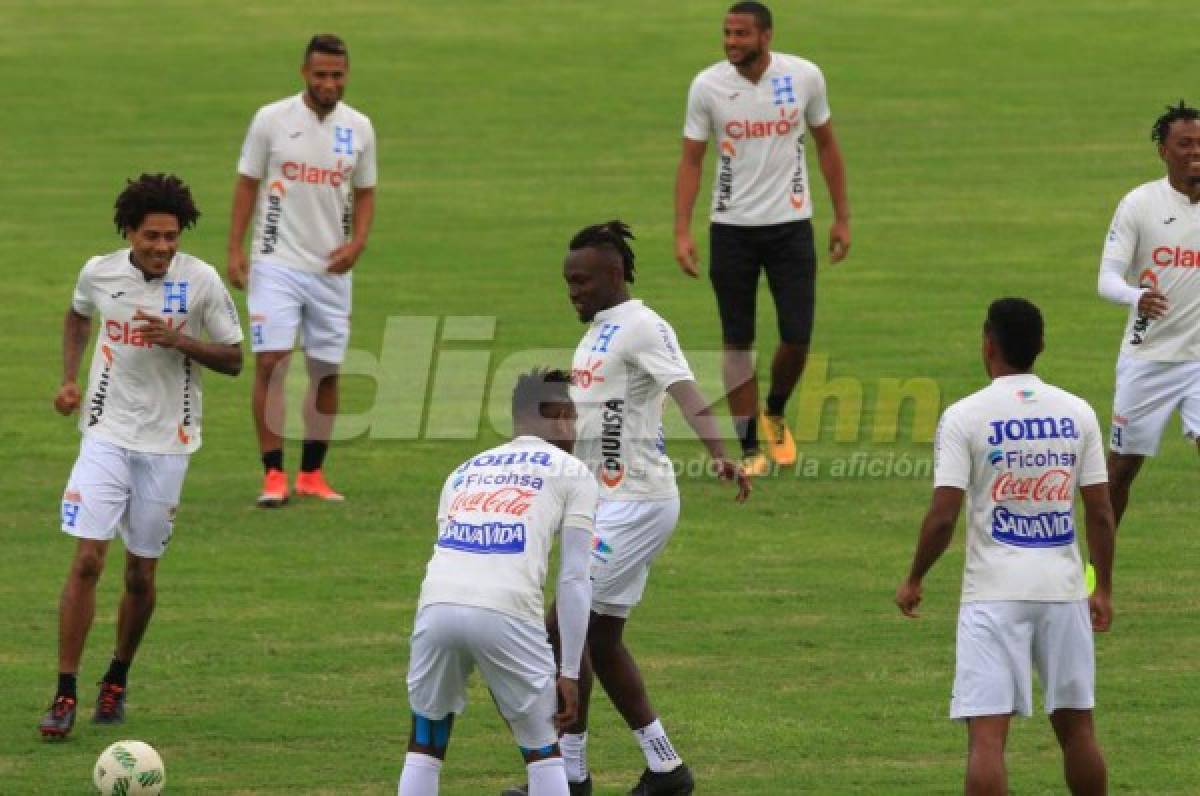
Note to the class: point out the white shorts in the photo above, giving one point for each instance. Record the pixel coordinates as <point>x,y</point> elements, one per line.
<point>282,300</point>
<point>113,489</point>
<point>999,642</point>
<point>1147,394</point>
<point>514,657</point>
<point>629,536</point>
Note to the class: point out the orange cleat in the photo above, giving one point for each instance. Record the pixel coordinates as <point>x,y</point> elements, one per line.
<point>274,490</point>
<point>780,444</point>
<point>313,485</point>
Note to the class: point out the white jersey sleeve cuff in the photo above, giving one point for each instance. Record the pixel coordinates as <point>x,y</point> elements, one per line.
<point>1112,285</point>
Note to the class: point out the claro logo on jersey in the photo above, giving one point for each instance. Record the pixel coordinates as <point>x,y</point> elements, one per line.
<point>1167,256</point>
<point>126,333</point>
<point>738,129</point>
<point>316,175</point>
<point>503,538</point>
<point>612,421</point>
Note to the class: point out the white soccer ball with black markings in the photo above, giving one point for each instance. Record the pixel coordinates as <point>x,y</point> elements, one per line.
<point>129,768</point>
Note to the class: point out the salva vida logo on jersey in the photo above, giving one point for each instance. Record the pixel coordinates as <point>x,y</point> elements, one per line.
<point>1044,529</point>
<point>487,538</point>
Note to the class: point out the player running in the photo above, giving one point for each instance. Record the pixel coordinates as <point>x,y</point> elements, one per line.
<point>307,175</point>
<point>481,602</point>
<point>1018,449</point>
<point>755,107</point>
<point>1154,242</point>
<point>141,420</point>
<point>627,363</point>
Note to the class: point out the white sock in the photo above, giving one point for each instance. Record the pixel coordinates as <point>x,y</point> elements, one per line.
<point>548,778</point>
<point>660,755</point>
<point>420,775</point>
<point>574,752</point>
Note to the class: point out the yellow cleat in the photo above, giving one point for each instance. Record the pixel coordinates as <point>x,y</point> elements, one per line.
<point>780,444</point>
<point>756,464</point>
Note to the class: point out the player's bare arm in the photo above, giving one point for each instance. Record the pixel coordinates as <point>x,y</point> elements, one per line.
<point>698,415</point>
<point>1101,539</point>
<point>936,532</point>
<point>687,186</point>
<point>77,330</point>
<point>829,155</point>
<point>342,258</point>
<point>245,193</point>
<point>221,357</point>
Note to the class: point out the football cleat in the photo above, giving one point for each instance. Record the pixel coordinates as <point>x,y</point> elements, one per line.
<point>756,463</point>
<point>110,704</point>
<point>313,485</point>
<point>575,788</point>
<point>780,444</point>
<point>274,490</point>
<point>59,718</point>
<point>676,782</point>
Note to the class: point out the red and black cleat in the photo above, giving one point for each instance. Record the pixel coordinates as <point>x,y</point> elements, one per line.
<point>58,719</point>
<point>110,704</point>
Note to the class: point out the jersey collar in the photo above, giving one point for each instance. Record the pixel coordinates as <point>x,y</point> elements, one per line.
<point>615,310</point>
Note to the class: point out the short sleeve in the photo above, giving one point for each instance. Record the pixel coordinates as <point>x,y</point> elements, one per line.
<point>697,123</point>
<point>1121,243</point>
<point>256,149</point>
<point>220,314</point>
<point>951,452</point>
<point>364,172</point>
<point>816,112</point>
<point>1092,467</point>
<point>579,509</point>
<point>659,354</point>
<point>81,301</point>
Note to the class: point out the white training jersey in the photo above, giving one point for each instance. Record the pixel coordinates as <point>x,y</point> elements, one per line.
<point>622,368</point>
<point>1020,448</point>
<point>140,396</point>
<point>308,168</point>
<point>759,133</point>
<point>1155,234</point>
<point>497,518</point>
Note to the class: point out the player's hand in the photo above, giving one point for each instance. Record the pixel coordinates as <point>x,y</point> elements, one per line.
<point>155,330</point>
<point>908,597</point>
<point>1152,304</point>
<point>1100,607</point>
<point>729,470</point>
<point>685,254</point>
<point>342,258</point>
<point>568,699</point>
<point>238,268</point>
<point>839,241</point>
<point>67,399</point>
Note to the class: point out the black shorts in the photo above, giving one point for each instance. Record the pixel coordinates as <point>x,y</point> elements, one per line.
<point>786,253</point>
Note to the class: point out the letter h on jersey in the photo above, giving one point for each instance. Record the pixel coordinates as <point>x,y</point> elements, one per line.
<point>175,297</point>
<point>783,90</point>
<point>607,332</point>
<point>343,140</point>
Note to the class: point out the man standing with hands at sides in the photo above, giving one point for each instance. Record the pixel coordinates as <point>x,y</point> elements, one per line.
<point>307,174</point>
<point>481,602</point>
<point>627,363</point>
<point>1018,449</point>
<point>141,420</point>
<point>1154,241</point>
<point>755,107</point>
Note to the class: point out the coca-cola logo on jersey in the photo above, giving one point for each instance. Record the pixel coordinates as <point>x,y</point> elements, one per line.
<point>1165,256</point>
<point>1054,484</point>
<point>754,128</point>
<point>512,501</point>
<point>316,175</point>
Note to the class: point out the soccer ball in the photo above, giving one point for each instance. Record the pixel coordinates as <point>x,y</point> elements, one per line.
<point>129,768</point>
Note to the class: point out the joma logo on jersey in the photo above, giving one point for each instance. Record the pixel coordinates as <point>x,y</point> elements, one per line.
<point>747,128</point>
<point>1165,256</point>
<point>1021,428</point>
<point>316,175</point>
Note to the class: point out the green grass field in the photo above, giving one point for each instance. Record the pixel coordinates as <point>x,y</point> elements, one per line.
<point>987,145</point>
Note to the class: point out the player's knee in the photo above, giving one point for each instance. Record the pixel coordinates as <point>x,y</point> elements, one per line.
<point>266,362</point>
<point>88,565</point>
<point>431,736</point>
<point>139,581</point>
<point>535,735</point>
<point>1123,468</point>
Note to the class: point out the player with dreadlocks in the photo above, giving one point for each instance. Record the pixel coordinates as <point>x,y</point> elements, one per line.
<point>1151,263</point>
<point>140,421</point>
<point>628,360</point>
